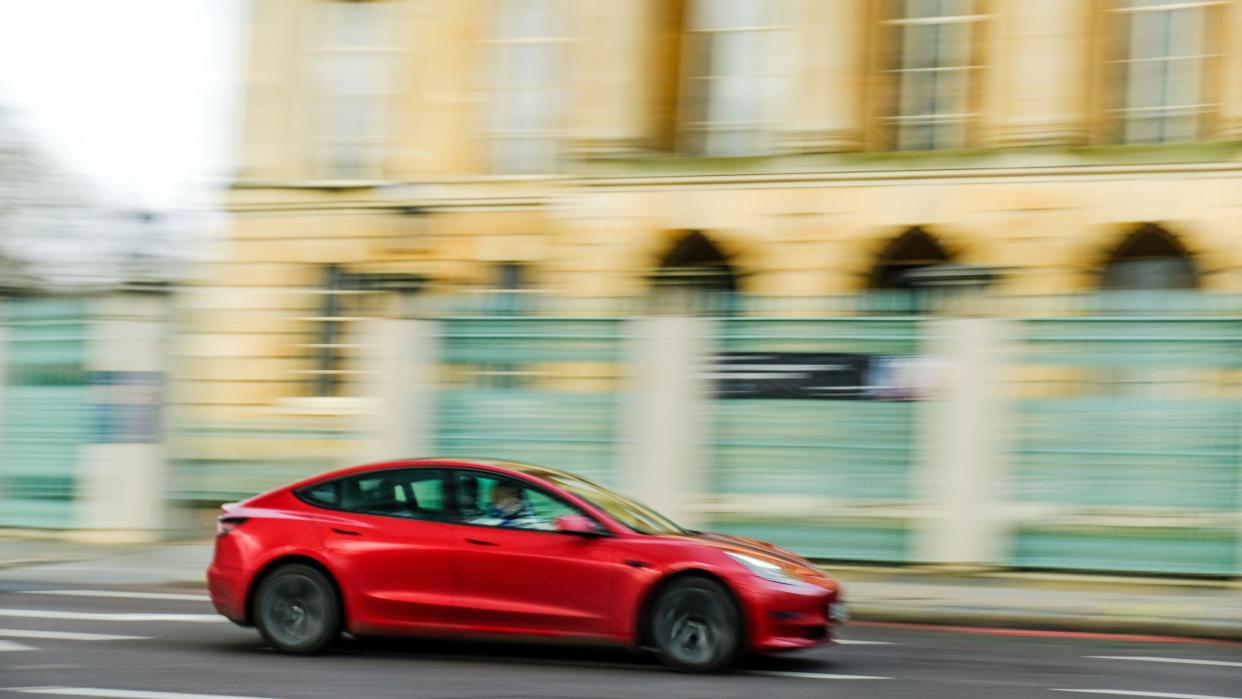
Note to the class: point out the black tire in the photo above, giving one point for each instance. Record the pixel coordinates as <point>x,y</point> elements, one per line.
<point>695,625</point>
<point>297,609</point>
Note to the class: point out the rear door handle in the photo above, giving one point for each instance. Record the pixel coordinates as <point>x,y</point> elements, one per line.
<point>346,532</point>
<point>480,542</point>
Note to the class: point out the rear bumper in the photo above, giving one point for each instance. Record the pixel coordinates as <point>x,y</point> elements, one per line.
<point>790,617</point>
<point>227,587</point>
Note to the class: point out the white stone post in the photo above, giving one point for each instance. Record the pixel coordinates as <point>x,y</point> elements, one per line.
<point>397,420</point>
<point>4,383</point>
<point>664,429</point>
<point>122,472</point>
<point>964,445</point>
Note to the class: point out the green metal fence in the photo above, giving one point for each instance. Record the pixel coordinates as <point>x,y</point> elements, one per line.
<point>829,478</point>
<point>1129,432</point>
<point>218,463</point>
<point>543,390</point>
<point>46,414</point>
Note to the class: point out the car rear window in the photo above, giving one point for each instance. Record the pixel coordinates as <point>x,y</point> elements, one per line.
<point>323,494</point>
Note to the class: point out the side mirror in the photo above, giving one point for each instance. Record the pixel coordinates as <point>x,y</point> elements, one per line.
<point>577,524</point>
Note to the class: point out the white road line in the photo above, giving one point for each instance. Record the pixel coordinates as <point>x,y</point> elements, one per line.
<point>67,635</point>
<point>1131,693</point>
<point>1155,659</point>
<point>123,616</point>
<point>120,595</point>
<point>853,642</point>
<point>117,693</point>
<point>813,675</point>
<point>6,646</point>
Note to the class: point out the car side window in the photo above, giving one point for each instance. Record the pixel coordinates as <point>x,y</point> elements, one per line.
<point>499,501</point>
<point>408,493</point>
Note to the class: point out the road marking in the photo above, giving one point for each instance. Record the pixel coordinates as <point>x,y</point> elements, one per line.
<point>1131,693</point>
<point>120,594</point>
<point>1154,659</point>
<point>123,616</point>
<point>6,646</point>
<point>68,635</point>
<point>853,642</point>
<point>813,675</point>
<point>117,693</point>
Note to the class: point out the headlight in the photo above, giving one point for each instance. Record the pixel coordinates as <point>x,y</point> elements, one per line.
<point>764,569</point>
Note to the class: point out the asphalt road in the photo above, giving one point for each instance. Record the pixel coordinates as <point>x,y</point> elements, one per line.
<point>160,643</point>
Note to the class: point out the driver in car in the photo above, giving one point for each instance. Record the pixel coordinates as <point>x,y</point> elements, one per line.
<point>510,508</point>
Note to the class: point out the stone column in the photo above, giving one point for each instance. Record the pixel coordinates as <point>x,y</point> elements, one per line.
<point>122,471</point>
<point>1037,72</point>
<point>963,445</point>
<point>664,431</point>
<point>398,416</point>
<point>1229,63</point>
<point>825,111</point>
<point>609,97</point>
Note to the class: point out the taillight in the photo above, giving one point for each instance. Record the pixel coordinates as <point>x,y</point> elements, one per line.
<point>225,525</point>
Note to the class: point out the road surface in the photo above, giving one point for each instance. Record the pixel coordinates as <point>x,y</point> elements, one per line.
<point>166,643</point>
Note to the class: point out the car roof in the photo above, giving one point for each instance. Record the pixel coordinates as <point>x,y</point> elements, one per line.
<point>498,465</point>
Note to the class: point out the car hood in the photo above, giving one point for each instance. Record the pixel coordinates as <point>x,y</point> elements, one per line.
<point>789,561</point>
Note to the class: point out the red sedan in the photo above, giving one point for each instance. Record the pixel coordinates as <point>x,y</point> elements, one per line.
<point>448,546</point>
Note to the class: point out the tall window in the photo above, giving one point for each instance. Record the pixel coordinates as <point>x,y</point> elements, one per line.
<point>737,74</point>
<point>527,46</point>
<point>933,72</point>
<point>343,299</point>
<point>353,70</point>
<point>1164,55</point>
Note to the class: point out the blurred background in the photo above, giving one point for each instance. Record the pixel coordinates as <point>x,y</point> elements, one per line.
<point>885,281</point>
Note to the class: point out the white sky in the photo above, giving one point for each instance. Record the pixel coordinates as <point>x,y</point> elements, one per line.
<point>139,96</point>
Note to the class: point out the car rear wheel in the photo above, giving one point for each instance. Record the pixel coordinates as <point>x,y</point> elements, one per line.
<point>695,625</point>
<point>297,609</point>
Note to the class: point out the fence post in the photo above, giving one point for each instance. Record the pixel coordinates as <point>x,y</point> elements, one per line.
<point>122,468</point>
<point>964,445</point>
<point>398,417</point>
<point>664,429</point>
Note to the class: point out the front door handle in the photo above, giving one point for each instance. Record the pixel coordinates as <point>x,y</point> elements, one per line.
<point>346,532</point>
<point>480,542</point>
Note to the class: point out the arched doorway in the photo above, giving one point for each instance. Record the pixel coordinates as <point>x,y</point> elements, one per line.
<point>694,276</point>
<point>1150,258</point>
<point>913,249</point>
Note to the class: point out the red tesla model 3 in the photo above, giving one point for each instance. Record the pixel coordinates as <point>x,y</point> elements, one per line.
<point>451,546</point>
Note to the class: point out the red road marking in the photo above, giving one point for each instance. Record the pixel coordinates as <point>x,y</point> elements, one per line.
<point>1089,635</point>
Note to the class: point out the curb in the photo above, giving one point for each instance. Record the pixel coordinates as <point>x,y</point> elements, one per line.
<point>1048,621</point>
<point>28,562</point>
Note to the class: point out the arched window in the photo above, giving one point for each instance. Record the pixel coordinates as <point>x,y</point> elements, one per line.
<point>911,250</point>
<point>1150,258</point>
<point>694,276</point>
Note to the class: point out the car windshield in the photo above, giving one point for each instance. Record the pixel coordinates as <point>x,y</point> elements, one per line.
<point>641,519</point>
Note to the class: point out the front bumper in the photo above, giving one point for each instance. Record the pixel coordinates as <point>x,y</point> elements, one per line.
<point>791,617</point>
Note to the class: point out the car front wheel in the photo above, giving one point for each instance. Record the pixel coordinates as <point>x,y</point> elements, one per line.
<point>695,625</point>
<point>297,609</point>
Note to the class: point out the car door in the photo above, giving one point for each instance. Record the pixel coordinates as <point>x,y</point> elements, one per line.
<point>518,575</point>
<point>390,542</point>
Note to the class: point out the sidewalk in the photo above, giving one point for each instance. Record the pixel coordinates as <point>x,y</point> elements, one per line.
<point>1027,601</point>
